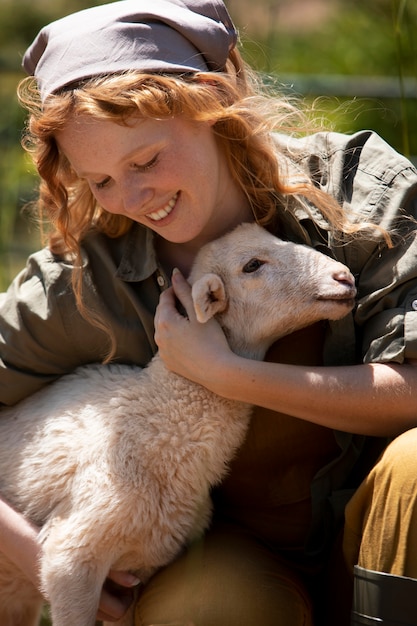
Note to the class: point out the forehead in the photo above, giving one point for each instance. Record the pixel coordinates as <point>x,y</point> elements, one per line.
<point>252,239</point>
<point>88,142</point>
<point>246,242</point>
<point>87,127</point>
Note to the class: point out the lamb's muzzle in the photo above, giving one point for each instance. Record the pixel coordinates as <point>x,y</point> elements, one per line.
<point>344,287</point>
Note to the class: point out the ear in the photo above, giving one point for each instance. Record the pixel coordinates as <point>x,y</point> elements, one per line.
<point>209,297</point>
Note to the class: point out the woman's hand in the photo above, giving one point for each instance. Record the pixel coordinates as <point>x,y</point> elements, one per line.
<point>186,346</point>
<point>117,595</point>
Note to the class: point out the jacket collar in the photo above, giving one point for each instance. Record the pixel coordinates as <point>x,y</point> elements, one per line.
<point>138,260</point>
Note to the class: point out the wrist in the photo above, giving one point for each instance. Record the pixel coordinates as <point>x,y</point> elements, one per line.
<point>225,377</point>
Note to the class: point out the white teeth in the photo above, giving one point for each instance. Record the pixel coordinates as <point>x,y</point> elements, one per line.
<point>159,215</point>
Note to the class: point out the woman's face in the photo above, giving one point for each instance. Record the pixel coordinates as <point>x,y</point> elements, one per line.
<point>168,175</point>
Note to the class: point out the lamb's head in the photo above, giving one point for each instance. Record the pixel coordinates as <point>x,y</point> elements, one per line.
<point>261,288</point>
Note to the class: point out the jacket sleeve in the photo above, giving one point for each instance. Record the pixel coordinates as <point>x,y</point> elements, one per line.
<point>380,185</point>
<point>386,313</point>
<point>373,183</point>
<point>42,335</point>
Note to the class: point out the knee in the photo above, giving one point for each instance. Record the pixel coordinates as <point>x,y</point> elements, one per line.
<point>226,578</point>
<point>392,479</point>
<point>396,470</point>
<point>397,466</point>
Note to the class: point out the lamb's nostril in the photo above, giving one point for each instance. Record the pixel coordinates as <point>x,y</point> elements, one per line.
<point>342,276</point>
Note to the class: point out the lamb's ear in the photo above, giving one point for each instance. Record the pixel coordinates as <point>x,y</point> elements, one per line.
<point>209,296</point>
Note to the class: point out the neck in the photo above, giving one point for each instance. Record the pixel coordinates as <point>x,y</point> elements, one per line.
<point>172,255</point>
<point>182,255</point>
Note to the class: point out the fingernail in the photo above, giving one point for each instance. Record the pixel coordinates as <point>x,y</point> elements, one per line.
<point>133,580</point>
<point>175,271</point>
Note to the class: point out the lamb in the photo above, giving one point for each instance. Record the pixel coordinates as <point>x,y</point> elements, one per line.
<point>116,463</point>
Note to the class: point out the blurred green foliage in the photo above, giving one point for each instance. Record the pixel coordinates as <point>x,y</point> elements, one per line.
<point>362,57</point>
<point>315,48</point>
<point>20,21</point>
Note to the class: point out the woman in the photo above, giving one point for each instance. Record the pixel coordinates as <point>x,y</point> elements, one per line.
<point>151,138</point>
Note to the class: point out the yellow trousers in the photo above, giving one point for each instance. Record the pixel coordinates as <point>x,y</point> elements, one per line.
<point>232,578</point>
<point>227,579</point>
<point>381,518</point>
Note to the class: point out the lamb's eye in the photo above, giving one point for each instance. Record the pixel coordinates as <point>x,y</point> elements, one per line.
<point>252,265</point>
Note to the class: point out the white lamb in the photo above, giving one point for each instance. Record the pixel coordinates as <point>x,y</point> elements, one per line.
<point>116,463</point>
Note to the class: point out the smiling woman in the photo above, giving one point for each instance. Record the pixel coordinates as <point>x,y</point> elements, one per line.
<point>149,171</point>
<point>152,137</point>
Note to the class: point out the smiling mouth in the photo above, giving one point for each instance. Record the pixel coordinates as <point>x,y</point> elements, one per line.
<point>165,211</point>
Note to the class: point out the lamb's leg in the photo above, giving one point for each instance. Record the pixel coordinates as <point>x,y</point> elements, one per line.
<point>73,590</point>
<point>20,603</point>
<point>73,572</point>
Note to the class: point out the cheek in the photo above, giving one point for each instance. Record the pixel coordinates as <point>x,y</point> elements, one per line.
<point>189,165</point>
<point>107,200</point>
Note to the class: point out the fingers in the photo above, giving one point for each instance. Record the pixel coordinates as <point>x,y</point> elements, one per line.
<point>172,299</point>
<point>182,291</point>
<point>125,579</point>
<point>112,608</point>
<point>174,317</point>
<point>117,595</point>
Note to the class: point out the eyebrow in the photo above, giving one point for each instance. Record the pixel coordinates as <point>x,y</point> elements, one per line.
<point>133,153</point>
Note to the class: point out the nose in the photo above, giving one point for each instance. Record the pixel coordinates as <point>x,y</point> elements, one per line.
<point>343,276</point>
<point>134,196</point>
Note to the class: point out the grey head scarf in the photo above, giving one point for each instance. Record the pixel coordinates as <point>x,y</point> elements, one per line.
<point>160,36</point>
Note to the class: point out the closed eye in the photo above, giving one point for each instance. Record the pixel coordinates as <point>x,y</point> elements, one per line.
<point>102,183</point>
<point>146,166</point>
<point>252,266</point>
<point>136,166</point>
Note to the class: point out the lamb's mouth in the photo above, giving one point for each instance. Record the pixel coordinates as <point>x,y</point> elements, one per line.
<point>156,216</point>
<point>348,301</point>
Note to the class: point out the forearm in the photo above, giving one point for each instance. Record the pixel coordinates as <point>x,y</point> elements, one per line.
<point>373,399</point>
<point>19,541</point>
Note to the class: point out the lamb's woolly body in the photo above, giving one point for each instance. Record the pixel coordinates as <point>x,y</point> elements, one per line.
<point>116,463</point>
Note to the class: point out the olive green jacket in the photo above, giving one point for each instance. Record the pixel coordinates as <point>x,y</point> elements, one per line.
<point>42,335</point>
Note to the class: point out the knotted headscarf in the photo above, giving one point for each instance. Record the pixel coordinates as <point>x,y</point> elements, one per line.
<point>161,36</point>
